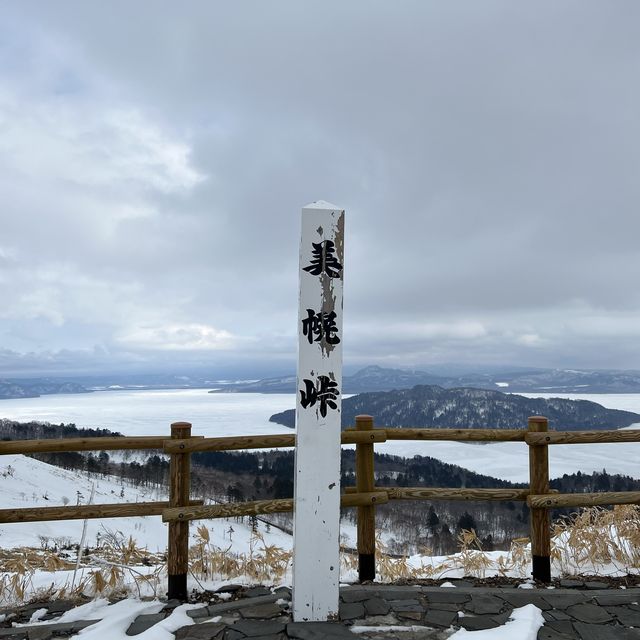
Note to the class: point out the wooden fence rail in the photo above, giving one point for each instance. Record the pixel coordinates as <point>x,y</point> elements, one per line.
<point>180,509</point>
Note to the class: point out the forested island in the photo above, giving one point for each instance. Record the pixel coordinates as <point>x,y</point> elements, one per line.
<point>434,406</point>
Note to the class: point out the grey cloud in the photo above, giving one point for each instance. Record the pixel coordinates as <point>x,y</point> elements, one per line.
<point>486,153</point>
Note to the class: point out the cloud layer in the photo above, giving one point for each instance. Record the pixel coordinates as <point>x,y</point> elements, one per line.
<point>154,158</point>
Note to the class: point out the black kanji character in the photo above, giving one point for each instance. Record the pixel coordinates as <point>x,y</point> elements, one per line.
<point>321,325</point>
<point>324,260</point>
<point>326,392</point>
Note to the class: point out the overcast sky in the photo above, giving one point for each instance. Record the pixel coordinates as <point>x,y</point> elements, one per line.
<point>154,158</point>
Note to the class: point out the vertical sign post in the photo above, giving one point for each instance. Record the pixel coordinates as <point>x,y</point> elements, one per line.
<point>316,553</point>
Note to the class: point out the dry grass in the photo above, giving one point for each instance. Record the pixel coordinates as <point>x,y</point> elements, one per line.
<point>111,569</point>
<point>598,540</point>
<point>592,541</point>
<point>470,559</point>
<point>261,563</point>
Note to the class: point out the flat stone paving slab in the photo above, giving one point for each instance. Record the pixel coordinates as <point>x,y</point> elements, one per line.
<point>264,611</point>
<point>448,595</point>
<point>203,631</point>
<point>604,632</point>
<point>438,618</point>
<point>57,629</point>
<point>485,604</point>
<point>351,610</point>
<point>561,626</point>
<point>615,598</point>
<point>478,623</point>
<point>589,613</point>
<point>256,628</point>
<point>144,622</point>
<point>563,599</point>
<point>545,633</point>
<point>376,607</point>
<point>626,615</point>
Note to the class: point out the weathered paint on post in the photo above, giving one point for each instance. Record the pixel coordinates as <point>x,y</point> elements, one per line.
<point>316,555</point>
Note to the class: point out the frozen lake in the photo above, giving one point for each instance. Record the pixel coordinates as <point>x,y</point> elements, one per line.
<point>224,414</point>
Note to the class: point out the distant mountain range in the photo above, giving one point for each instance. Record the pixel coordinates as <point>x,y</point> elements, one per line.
<point>433,406</point>
<point>34,387</point>
<point>375,378</point>
<point>37,387</point>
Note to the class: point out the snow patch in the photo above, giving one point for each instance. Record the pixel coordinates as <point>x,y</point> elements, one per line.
<point>523,624</point>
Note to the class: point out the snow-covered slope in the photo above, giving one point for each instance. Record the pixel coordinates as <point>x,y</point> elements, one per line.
<point>25,482</point>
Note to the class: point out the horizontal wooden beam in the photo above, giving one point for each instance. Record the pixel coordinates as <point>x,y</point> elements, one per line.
<point>58,445</point>
<point>583,437</point>
<point>428,493</point>
<point>90,511</point>
<point>408,493</point>
<point>231,443</point>
<point>583,499</point>
<point>364,499</point>
<point>257,507</point>
<point>459,435</point>
<point>351,436</point>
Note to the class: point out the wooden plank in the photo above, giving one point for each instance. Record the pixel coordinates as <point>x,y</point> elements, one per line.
<point>82,512</point>
<point>458,435</point>
<point>420,493</point>
<point>349,436</point>
<point>275,441</point>
<point>438,493</point>
<point>584,499</point>
<point>82,444</point>
<point>229,510</point>
<point>364,499</point>
<point>540,523</point>
<point>257,507</point>
<point>316,518</point>
<point>583,437</point>
<point>230,443</point>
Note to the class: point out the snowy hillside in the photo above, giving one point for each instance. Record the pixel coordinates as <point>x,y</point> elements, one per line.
<point>25,482</point>
<point>224,550</point>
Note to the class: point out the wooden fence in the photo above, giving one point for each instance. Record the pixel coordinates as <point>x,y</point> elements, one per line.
<point>180,509</point>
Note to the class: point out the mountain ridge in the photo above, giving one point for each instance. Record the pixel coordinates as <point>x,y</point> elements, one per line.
<point>434,406</point>
<point>34,388</point>
<point>376,378</point>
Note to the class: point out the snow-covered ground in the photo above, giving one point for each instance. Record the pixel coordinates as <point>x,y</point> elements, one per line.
<point>25,482</point>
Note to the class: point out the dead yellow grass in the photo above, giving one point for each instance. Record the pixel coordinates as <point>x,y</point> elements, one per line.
<point>261,563</point>
<point>590,541</point>
<point>596,537</point>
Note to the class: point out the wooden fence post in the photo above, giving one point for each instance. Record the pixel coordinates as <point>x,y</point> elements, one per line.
<point>365,482</point>
<point>539,484</point>
<point>179,490</point>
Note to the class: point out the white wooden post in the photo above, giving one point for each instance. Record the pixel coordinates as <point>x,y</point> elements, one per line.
<point>316,524</point>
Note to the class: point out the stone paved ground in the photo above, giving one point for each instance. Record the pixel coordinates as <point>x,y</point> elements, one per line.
<point>584,613</point>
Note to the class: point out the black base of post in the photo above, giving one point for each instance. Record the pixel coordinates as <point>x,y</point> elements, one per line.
<point>541,566</point>
<point>178,587</point>
<point>366,566</point>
